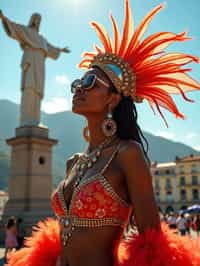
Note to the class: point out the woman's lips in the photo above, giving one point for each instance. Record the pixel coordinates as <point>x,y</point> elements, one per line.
<point>78,99</point>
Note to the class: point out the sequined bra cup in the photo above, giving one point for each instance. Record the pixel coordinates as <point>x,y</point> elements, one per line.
<point>94,203</point>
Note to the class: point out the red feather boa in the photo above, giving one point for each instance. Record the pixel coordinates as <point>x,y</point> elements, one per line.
<point>152,248</point>
<point>41,249</point>
<point>165,248</point>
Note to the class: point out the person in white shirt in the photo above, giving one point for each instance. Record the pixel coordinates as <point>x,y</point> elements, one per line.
<point>171,220</point>
<point>181,224</point>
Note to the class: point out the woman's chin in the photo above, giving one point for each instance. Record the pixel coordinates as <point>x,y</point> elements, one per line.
<point>77,110</point>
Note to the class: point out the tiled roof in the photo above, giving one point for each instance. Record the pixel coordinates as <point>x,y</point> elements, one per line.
<point>190,158</point>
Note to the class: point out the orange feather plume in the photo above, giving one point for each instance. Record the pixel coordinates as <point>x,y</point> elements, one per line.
<point>158,74</point>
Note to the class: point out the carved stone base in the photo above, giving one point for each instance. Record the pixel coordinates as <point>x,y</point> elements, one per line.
<point>30,184</point>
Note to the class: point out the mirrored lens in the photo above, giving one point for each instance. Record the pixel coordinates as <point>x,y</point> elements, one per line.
<point>88,81</point>
<point>74,84</point>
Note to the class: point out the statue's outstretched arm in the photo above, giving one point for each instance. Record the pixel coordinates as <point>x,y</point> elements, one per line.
<point>54,52</point>
<point>65,50</point>
<point>14,30</point>
<point>4,20</point>
<point>2,17</point>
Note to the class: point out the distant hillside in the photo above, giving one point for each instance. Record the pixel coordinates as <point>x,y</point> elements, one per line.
<point>164,150</point>
<point>67,128</point>
<point>9,116</point>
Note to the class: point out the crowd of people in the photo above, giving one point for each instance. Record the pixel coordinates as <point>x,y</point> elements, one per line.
<point>14,235</point>
<point>184,223</point>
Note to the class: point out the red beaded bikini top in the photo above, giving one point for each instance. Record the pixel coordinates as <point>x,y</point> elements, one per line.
<point>94,202</point>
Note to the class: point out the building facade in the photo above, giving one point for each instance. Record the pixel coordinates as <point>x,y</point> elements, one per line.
<point>164,184</point>
<point>188,180</point>
<point>177,184</point>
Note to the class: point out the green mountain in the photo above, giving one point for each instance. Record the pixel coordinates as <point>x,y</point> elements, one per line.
<point>164,150</point>
<point>67,128</point>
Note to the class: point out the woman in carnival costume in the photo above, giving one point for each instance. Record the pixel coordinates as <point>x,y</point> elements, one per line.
<point>111,182</point>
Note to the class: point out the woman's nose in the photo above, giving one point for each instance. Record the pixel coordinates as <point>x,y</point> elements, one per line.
<point>79,89</point>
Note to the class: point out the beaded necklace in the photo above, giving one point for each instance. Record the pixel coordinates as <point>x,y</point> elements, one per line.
<point>88,159</point>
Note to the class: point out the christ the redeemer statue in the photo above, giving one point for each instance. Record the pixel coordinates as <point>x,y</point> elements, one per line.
<point>35,50</point>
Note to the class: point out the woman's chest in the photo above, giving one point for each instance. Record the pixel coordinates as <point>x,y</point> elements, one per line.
<point>95,182</point>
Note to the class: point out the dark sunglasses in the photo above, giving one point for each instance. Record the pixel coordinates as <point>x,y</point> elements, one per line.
<point>86,83</point>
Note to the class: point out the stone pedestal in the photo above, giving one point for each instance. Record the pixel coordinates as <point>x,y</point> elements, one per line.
<point>30,184</point>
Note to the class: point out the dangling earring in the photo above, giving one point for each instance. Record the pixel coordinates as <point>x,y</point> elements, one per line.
<point>109,126</point>
<point>86,133</point>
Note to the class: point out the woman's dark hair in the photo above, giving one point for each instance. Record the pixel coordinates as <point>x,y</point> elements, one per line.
<point>11,222</point>
<point>125,115</point>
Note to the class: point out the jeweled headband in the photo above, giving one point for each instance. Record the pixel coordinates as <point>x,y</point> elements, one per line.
<point>141,68</point>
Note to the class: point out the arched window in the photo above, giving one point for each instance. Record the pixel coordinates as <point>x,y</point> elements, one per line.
<point>183,194</point>
<point>194,180</point>
<point>181,169</point>
<point>194,168</point>
<point>182,181</point>
<point>195,194</point>
<point>157,184</point>
<point>168,183</point>
<point>167,172</point>
<point>169,196</point>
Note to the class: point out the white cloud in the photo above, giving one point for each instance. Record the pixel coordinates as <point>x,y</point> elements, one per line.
<point>166,135</point>
<point>197,148</point>
<point>190,135</point>
<point>56,104</point>
<point>62,79</point>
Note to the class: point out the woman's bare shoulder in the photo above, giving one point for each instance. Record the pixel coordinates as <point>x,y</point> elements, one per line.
<point>131,155</point>
<point>130,148</point>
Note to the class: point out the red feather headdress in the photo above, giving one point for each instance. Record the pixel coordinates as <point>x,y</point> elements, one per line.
<point>140,68</point>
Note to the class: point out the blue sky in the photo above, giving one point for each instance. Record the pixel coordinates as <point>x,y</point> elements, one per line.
<point>66,23</point>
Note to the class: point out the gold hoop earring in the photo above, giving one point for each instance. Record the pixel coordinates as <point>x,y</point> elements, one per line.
<point>109,126</point>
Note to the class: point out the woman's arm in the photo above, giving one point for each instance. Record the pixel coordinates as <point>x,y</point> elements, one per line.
<point>139,184</point>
